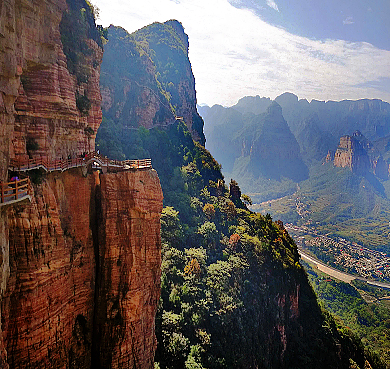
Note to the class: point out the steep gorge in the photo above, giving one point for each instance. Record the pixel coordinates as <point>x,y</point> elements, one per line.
<point>80,262</point>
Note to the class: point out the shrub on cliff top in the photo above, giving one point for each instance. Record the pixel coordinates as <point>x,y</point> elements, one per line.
<point>83,104</point>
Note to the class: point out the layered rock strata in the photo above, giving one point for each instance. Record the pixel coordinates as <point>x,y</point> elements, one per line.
<point>128,279</point>
<point>85,267</point>
<point>39,95</point>
<point>358,154</point>
<point>56,260</point>
<point>76,256</point>
<point>48,305</point>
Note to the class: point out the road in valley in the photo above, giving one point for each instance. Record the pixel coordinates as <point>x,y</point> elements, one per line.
<point>345,277</point>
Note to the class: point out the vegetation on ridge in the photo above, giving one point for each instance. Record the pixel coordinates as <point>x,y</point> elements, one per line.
<point>148,78</point>
<point>223,269</point>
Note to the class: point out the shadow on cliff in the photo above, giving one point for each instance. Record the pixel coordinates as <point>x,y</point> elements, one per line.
<point>375,183</point>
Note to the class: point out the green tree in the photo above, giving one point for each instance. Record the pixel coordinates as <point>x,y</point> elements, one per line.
<point>246,199</point>
<point>209,232</point>
<point>171,228</point>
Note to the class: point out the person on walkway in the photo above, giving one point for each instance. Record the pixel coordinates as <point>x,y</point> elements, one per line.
<point>13,185</point>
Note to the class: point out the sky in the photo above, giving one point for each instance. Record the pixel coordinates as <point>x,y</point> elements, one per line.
<point>316,49</point>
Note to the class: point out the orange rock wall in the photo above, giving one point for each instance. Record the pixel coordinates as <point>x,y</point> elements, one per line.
<point>47,309</point>
<point>128,281</point>
<point>77,243</point>
<point>37,92</point>
<point>350,154</point>
<point>84,272</point>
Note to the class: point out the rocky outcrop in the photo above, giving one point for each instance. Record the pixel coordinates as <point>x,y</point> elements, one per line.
<point>40,96</point>
<point>47,309</point>
<point>272,148</point>
<point>329,157</point>
<point>352,154</point>
<point>360,156</point>
<point>128,282</point>
<point>147,79</point>
<point>61,274</point>
<point>85,266</point>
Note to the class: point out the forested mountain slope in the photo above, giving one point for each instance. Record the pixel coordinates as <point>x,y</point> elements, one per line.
<point>233,293</point>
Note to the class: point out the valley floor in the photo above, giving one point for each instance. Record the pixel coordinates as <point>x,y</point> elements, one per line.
<point>327,270</point>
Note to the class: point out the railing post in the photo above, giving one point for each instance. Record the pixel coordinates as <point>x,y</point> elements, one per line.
<point>2,192</point>
<point>16,190</point>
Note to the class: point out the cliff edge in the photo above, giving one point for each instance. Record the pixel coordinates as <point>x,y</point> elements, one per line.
<point>71,258</point>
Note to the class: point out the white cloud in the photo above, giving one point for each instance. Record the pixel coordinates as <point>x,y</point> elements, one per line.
<point>272,4</point>
<point>234,53</point>
<point>348,20</point>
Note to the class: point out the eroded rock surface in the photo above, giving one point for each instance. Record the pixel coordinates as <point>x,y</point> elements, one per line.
<point>128,283</point>
<point>56,265</point>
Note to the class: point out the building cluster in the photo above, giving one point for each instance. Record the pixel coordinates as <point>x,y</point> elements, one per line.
<point>344,255</point>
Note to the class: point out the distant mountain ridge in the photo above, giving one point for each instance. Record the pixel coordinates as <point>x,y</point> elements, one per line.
<point>344,145</point>
<point>316,126</point>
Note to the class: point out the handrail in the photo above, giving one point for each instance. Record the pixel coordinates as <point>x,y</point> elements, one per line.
<point>14,191</point>
<point>64,164</point>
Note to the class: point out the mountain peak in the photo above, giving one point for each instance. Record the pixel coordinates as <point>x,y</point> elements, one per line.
<point>179,30</point>
<point>287,98</point>
<point>274,109</point>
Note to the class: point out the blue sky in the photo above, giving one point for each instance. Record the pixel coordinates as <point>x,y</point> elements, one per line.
<point>349,20</point>
<point>324,50</point>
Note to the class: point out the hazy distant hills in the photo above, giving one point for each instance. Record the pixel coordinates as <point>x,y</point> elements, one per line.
<point>334,155</point>
<point>236,133</point>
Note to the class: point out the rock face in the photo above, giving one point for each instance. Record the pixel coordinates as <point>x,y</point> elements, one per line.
<point>271,147</point>
<point>351,154</point>
<point>276,150</point>
<point>358,154</point>
<point>128,283</point>
<point>85,267</point>
<point>40,95</point>
<point>329,157</point>
<point>80,263</point>
<point>252,143</point>
<point>147,79</point>
<point>47,309</point>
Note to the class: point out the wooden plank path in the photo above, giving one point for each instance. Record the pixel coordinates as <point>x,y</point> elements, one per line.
<point>15,191</point>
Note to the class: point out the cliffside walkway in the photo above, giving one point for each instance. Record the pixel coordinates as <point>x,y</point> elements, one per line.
<point>92,158</point>
<point>15,191</point>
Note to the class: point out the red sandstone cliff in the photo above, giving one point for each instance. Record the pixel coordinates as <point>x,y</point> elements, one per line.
<point>86,248</point>
<point>85,266</point>
<point>128,278</point>
<point>37,91</point>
